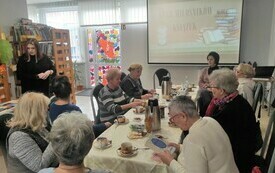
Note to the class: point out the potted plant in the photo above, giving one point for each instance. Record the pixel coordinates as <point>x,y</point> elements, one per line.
<point>5,56</point>
<point>5,52</point>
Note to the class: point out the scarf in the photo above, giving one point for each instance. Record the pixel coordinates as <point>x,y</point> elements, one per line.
<point>211,69</point>
<point>219,103</point>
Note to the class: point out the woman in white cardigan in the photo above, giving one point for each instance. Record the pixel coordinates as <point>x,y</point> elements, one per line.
<point>245,73</point>
<point>206,149</point>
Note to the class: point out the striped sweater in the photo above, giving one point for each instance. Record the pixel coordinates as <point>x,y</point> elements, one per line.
<point>110,102</point>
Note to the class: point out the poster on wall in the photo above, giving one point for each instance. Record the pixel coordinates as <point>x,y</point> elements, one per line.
<point>103,52</point>
<point>108,45</point>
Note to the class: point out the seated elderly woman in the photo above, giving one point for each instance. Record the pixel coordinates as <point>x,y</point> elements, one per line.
<point>27,147</point>
<point>71,138</point>
<point>205,149</point>
<point>245,73</point>
<point>112,100</point>
<point>235,115</point>
<point>132,86</point>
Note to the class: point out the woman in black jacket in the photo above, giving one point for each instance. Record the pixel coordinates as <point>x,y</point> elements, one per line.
<point>34,69</point>
<point>235,115</point>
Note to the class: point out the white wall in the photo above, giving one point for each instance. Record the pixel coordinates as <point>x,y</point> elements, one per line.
<point>134,50</point>
<point>10,12</point>
<point>256,31</point>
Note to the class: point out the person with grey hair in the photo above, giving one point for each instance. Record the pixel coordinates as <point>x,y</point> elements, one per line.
<point>206,149</point>
<point>245,73</point>
<point>235,115</point>
<point>71,138</point>
<point>112,99</point>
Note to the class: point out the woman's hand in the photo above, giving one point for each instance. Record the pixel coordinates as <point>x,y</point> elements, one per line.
<point>177,146</point>
<point>152,91</point>
<point>146,96</point>
<point>136,103</point>
<point>165,157</point>
<point>44,75</point>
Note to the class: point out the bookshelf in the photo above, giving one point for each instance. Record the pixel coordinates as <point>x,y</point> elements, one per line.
<point>55,43</point>
<point>62,56</point>
<point>4,85</point>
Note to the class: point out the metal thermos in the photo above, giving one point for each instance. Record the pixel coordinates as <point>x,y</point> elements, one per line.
<point>152,115</point>
<point>166,87</point>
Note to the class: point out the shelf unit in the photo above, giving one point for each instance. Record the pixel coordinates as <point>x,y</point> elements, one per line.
<point>62,56</point>
<point>4,85</point>
<point>55,43</point>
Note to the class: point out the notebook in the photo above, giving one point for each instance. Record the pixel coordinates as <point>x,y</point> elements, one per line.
<point>264,71</point>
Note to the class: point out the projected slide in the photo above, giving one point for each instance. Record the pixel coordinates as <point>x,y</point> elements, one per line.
<point>185,31</point>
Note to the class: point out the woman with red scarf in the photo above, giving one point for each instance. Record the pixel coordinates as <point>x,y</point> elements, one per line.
<point>235,115</point>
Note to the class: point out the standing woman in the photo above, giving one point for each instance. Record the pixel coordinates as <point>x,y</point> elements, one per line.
<point>132,86</point>
<point>205,95</point>
<point>27,147</point>
<point>34,69</point>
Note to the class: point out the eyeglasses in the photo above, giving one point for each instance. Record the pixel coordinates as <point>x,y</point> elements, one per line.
<point>172,118</point>
<point>212,87</point>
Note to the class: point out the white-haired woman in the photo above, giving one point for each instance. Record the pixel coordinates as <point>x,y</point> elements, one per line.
<point>71,138</point>
<point>27,147</point>
<point>235,115</point>
<point>132,86</point>
<point>206,149</point>
<point>112,100</point>
<point>245,73</point>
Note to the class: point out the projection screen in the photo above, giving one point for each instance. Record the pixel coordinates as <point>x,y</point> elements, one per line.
<point>185,31</point>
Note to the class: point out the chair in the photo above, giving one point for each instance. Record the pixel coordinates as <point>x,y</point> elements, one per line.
<point>258,92</point>
<point>123,75</point>
<point>94,96</point>
<point>160,73</point>
<point>4,131</point>
<point>267,151</point>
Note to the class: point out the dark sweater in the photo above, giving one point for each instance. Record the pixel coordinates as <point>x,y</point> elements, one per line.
<point>238,121</point>
<point>56,110</point>
<point>27,72</point>
<point>133,88</point>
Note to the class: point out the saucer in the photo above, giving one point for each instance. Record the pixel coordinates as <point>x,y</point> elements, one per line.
<point>136,135</point>
<point>99,146</point>
<point>135,151</point>
<point>141,112</point>
<point>137,119</point>
<point>125,122</point>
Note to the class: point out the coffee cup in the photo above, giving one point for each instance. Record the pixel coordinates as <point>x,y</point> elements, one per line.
<point>139,109</point>
<point>103,142</point>
<point>126,148</point>
<point>120,119</point>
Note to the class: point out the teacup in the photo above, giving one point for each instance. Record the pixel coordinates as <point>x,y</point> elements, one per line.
<point>121,119</point>
<point>126,148</point>
<point>103,142</point>
<point>139,109</point>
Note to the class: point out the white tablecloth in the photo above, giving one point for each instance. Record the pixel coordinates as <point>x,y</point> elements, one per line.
<point>142,162</point>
